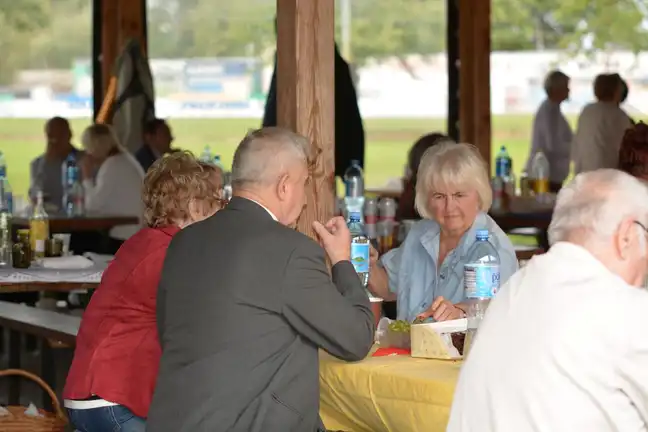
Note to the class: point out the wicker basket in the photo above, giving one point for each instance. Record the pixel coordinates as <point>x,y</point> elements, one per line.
<point>19,422</point>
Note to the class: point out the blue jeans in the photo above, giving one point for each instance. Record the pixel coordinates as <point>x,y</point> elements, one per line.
<point>106,419</point>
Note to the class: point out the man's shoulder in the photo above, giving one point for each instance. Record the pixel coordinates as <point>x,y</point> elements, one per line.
<point>37,160</point>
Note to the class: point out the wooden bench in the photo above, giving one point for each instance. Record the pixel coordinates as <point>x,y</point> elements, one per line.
<point>46,325</point>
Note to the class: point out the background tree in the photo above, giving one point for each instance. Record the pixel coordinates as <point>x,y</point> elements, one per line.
<point>53,33</point>
<point>18,21</point>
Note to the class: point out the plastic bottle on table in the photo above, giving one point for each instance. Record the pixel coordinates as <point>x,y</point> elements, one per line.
<point>354,197</point>
<point>540,175</point>
<point>481,282</point>
<point>359,247</point>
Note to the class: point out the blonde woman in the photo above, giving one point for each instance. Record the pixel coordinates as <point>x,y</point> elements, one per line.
<point>425,274</point>
<point>112,180</point>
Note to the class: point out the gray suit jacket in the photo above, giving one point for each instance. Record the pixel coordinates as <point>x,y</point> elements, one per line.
<point>243,305</point>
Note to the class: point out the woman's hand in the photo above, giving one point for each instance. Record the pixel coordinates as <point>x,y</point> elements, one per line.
<point>442,310</point>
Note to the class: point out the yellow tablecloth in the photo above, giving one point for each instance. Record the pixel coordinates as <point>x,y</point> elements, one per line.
<point>390,394</point>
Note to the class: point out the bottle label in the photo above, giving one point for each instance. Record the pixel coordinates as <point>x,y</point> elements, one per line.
<point>360,257</point>
<point>39,246</point>
<point>481,280</point>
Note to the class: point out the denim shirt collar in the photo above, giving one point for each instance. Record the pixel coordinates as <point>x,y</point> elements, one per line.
<point>430,240</point>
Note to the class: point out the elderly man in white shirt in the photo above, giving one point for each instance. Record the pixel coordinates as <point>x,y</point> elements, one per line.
<point>552,134</point>
<point>601,126</point>
<point>563,346</point>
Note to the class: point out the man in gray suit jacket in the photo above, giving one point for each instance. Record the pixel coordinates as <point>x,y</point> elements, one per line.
<point>245,302</point>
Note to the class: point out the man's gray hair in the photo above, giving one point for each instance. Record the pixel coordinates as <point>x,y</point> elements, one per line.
<point>265,154</point>
<point>555,79</point>
<point>594,204</point>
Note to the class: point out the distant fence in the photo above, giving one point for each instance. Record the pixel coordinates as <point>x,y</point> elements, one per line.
<point>191,88</point>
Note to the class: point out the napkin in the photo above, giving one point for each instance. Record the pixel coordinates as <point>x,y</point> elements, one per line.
<point>32,411</point>
<point>65,263</point>
<point>101,259</point>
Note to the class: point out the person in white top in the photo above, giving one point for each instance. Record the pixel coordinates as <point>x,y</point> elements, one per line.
<point>563,345</point>
<point>552,134</point>
<point>112,179</point>
<point>600,128</point>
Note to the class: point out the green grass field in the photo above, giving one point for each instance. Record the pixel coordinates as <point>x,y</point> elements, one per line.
<point>388,141</point>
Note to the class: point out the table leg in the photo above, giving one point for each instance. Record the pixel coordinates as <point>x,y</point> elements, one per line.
<point>48,371</point>
<point>14,363</point>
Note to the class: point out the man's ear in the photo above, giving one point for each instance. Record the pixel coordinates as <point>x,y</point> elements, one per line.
<point>282,186</point>
<point>624,237</point>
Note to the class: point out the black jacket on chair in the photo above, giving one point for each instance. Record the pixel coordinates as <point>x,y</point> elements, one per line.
<point>244,304</point>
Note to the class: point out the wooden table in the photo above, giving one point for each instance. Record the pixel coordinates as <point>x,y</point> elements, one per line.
<point>509,221</point>
<point>59,223</point>
<point>20,287</point>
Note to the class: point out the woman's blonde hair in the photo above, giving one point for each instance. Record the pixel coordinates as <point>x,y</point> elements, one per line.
<point>452,164</point>
<point>100,139</point>
<point>177,183</point>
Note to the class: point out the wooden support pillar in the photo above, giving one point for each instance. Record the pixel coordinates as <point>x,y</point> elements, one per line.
<point>474,74</point>
<point>305,94</point>
<point>114,22</point>
<point>132,24</point>
<point>109,41</point>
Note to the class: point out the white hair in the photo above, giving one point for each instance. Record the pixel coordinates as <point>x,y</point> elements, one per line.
<point>450,164</point>
<point>99,139</point>
<point>265,154</point>
<point>555,79</point>
<point>595,203</point>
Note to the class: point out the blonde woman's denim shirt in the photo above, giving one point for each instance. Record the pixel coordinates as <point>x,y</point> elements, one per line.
<point>417,280</point>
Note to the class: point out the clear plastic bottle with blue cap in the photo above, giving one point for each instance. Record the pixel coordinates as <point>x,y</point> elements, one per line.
<point>481,282</point>
<point>354,197</point>
<point>206,155</point>
<point>7,194</point>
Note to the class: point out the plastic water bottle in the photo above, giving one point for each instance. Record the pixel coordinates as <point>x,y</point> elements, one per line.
<point>359,247</point>
<point>503,163</point>
<point>206,155</point>
<point>540,175</point>
<point>504,171</point>
<point>73,192</point>
<point>7,193</point>
<point>354,197</point>
<point>5,232</point>
<point>3,165</point>
<point>481,282</point>
<point>69,171</point>
<point>218,163</point>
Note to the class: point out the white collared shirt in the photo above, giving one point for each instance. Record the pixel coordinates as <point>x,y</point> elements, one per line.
<point>600,130</point>
<point>552,136</point>
<point>563,348</point>
<point>265,208</point>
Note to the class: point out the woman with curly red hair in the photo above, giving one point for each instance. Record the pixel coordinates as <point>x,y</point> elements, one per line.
<point>110,383</point>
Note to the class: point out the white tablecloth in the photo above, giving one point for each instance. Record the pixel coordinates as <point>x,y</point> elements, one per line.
<point>89,275</point>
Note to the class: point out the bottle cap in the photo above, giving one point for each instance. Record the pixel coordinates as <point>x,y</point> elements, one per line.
<point>482,234</point>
